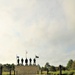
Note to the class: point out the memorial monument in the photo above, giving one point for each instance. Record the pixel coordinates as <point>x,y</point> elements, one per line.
<point>26,69</point>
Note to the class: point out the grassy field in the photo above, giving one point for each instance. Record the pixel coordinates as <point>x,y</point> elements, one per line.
<point>71,72</point>
<point>66,72</point>
<point>7,73</point>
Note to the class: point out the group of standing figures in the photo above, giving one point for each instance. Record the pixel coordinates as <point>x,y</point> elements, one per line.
<point>26,61</point>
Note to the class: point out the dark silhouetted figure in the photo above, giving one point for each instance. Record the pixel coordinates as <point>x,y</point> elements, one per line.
<point>18,61</point>
<point>26,61</point>
<point>60,68</point>
<point>30,60</point>
<point>22,61</point>
<point>34,61</point>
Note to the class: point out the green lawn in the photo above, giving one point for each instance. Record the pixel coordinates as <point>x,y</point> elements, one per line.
<point>7,73</point>
<point>71,72</point>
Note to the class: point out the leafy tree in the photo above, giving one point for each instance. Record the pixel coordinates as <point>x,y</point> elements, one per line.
<point>57,68</point>
<point>73,65</point>
<point>64,68</point>
<point>43,68</point>
<point>69,64</point>
<point>47,66</point>
<point>52,68</point>
<point>12,66</point>
<point>7,67</point>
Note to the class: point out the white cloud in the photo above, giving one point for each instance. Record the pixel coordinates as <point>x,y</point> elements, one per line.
<point>41,28</point>
<point>68,7</point>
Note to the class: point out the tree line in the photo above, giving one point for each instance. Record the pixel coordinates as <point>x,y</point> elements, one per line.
<point>70,66</point>
<point>47,67</point>
<point>8,67</point>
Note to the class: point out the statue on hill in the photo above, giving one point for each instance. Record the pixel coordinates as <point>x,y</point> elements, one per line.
<point>26,61</point>
<point>18,61</point>
<point>34,61</point>
<point>30,60</point>
<point>22,61</point>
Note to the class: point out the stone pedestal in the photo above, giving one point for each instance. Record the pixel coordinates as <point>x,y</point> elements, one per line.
<point>26,70</point>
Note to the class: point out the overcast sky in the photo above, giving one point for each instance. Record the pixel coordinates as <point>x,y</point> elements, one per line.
<point>41,27</point>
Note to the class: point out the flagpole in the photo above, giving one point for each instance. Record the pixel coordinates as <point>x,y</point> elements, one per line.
<point>26,54</point>
<point>36,57</point>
